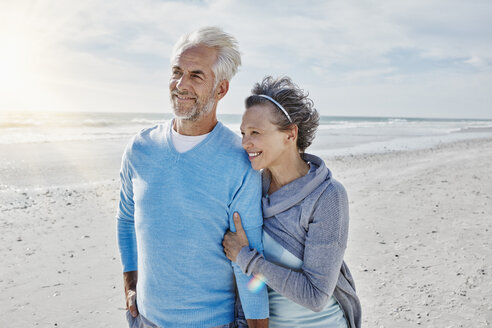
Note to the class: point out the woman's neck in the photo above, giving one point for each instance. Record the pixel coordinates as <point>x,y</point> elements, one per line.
<point>290,168</point>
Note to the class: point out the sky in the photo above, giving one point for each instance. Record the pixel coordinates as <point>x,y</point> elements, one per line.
<point>419,58</point>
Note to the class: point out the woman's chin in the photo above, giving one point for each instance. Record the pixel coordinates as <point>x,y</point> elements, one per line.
<point>256,166</point>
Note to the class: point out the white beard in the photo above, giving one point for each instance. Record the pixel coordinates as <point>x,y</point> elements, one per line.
<point>195,112</point>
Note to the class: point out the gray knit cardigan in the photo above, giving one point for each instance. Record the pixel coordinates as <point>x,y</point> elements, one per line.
<point>308,217</point>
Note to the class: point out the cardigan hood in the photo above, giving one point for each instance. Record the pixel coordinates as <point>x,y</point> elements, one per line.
<point>295,191</point>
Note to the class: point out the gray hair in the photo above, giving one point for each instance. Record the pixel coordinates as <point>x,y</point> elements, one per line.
<point>294,100</point>
<point>229,57</point>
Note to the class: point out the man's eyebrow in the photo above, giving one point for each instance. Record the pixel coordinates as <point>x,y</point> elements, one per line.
<point>199,72</point>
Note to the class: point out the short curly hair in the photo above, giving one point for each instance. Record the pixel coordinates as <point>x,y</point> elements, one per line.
<point>294,100</point>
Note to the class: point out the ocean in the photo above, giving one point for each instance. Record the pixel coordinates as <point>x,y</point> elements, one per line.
<point>337,135</point>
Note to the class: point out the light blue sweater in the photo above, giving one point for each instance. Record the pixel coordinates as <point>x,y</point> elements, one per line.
<point>174,210</point>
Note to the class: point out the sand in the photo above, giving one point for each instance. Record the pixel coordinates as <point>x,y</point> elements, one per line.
<point>419,244</point>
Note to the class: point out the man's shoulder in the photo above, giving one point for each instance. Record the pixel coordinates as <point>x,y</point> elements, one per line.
<point>229,147</point>
<point>148,137</point>
<point>229,136</point>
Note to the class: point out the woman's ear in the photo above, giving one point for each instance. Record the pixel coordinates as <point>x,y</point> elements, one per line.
<point>292,133</point>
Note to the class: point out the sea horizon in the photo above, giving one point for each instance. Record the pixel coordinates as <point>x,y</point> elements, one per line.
<point>4,112</point>
<point>336,135</point>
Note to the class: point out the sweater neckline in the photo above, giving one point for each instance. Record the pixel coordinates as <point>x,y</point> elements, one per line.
<point>197,147</point>
<point>295,191</point>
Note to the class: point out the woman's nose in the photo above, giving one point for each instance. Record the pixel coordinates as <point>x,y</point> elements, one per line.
<point>246,142</point>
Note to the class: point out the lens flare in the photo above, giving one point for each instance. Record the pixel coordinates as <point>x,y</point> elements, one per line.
<point>256,283</point>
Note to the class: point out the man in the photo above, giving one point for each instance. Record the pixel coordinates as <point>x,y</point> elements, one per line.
<point>181,183</point>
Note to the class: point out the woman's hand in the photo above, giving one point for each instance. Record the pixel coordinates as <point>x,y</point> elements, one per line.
<point>234,241</point>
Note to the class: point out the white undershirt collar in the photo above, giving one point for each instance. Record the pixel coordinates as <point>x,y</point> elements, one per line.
<point>184,143</point>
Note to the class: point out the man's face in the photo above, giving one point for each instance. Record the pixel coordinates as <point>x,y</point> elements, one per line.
<point>192,83</point>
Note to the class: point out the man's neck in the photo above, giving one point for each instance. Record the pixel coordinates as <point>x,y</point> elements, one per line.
<point>199,127</point>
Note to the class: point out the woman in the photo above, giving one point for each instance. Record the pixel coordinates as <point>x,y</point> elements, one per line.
<point>305,214</point>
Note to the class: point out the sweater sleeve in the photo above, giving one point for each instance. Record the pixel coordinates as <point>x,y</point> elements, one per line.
<point>127,242</point>
<point>325,245</point>
<point>247,202</point>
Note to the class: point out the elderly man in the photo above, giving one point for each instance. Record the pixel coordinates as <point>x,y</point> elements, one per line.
<point>181,183</point>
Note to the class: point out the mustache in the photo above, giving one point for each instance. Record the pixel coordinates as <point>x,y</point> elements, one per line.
<point>176,92</point>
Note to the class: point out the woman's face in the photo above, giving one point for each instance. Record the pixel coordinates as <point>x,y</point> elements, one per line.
<point>263,141</point>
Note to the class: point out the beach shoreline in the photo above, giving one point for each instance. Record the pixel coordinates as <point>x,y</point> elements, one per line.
<point>418,244</point>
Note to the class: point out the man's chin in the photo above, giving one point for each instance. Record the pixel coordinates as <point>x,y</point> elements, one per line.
<point>186,114</point>
<point>193,113</point>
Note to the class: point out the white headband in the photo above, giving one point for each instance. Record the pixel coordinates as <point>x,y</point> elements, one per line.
<point>278,105</point>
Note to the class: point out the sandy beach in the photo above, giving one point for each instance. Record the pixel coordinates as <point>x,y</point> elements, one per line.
<point>419,245</point>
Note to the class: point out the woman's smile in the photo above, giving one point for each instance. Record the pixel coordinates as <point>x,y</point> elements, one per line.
<point>253,155</point>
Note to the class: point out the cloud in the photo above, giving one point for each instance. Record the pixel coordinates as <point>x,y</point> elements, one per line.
<point>96,50</point>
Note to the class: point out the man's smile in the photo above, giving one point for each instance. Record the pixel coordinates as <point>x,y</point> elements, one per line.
<point>184,98</point>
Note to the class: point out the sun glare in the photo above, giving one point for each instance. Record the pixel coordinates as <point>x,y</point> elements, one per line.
<point>18,64</point>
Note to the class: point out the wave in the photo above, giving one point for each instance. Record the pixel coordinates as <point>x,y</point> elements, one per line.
<point>361,124</point>
<point>98,123</point>
<point>396,120</point>
<point>64,123</point>
<point>135,121</point>
<point>476,129</point>
<point>144,121</point>
<point>46,138</point>
<point>19,124</point>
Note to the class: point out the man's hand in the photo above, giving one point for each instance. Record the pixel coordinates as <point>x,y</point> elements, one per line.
<point>234,241</point>
<point>130,282</point>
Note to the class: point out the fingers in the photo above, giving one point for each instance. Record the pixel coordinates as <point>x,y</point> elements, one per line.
<point>131,303</point>
<point>228,244</point>
<point>226,249</point>
<point>228,254</point>
<point>237,222</point>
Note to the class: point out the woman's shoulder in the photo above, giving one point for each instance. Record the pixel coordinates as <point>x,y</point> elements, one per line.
<point>329,186</point>
<point>327,199</point>
<point>335,187</point>
<point>326,185</point>
<point>333,194</point>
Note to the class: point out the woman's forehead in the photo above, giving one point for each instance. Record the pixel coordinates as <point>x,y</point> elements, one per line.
<point>257,116</point>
